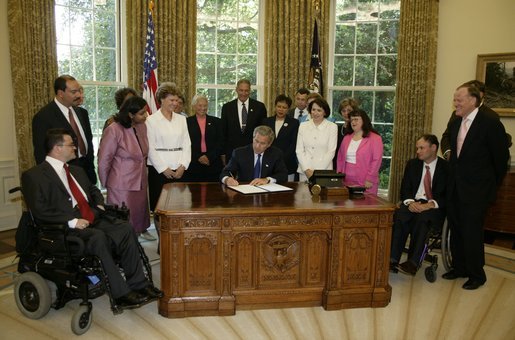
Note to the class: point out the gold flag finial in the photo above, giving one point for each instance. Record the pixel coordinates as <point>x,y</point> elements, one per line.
<point>151,6</point>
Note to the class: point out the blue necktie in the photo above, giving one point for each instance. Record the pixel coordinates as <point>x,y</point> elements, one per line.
<point>257,168</point>
<point>244,116</point>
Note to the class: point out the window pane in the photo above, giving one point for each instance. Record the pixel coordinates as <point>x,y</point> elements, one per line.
<point>386,132</point>
<point>343,71</point>
<point>386,70</point>
<point>63,59</point>
<point>206,37</point>
<point>390,9</point>
<point>247,68</point>
<point>346,10</point>
<point>206,68</point>
<point>107,5</point>
<point>388,36</point>
<point>90,101</point>
<point>227,38</point>
<point>248,39</point>
<point>105,29</point>
<point>384,173</point>
<point>82,62</point>
<point>207,9</point>
<point>63,22</point>
<point>224,96</point>
<point>81,27</point>
<point>366,101</point>
<point>226,69</point>
<point>385,103</point>
<point>105,64</point>
<point>364,73</point>
<point>80,3</point>
<point>367,10</point>
<point>344,39</point>
<point>106,104</point>
<point>229,31</point>
<point>366,37</point>
<point>228,10</point>
<point>249,10</point>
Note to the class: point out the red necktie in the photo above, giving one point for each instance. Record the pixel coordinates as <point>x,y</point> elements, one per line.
<point>427,184</point>
<point>84,208</point>
<point>75,128</point>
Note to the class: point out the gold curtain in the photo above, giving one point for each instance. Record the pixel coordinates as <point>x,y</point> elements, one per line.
<point>416,72</point>
<point>288,39</point>
<point>33,53</point>
<point>175,24</point>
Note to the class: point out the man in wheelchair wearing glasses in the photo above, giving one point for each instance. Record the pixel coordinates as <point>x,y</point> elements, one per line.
<point>60,194</point>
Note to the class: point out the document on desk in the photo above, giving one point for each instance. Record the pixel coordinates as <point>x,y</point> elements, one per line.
<point>255,189</point>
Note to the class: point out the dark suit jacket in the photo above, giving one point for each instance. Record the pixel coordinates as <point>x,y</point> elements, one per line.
<point>47,197</point>
<point>241,165</point>
<point>233,136</point>
<point>286,140</point>
<point>214,139</point>
<point>50,117</point>
<point>413,176</point>
<point>483,161</point>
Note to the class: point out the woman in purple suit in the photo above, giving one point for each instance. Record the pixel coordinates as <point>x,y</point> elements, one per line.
<point>361,153</point>
<point>122,157</point>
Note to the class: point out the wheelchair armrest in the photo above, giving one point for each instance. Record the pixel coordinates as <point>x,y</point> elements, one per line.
<point>54,239</point>
<point>53,227</point>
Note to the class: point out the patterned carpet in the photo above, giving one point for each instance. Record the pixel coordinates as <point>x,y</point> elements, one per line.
<point>418,310</point>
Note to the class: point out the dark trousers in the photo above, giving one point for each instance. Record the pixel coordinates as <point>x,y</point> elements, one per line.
<point>105,237</point>
<point>467,243</point>
<point>155,185</point>
<point>418,226</point>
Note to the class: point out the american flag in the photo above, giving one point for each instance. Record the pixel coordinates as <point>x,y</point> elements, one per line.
<point>150,83</point>
<point>316,82</point>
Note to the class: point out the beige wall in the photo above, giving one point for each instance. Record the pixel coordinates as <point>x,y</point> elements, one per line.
<point>9,210</point>
<point>468,28</point>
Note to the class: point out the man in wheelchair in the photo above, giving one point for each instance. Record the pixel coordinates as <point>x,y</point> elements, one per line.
<point>57,193</point>
<point>422,205</point>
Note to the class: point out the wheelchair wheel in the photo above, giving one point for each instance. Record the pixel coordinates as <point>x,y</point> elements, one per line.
<point>430,273</point>
<point>446,247</point>
<point>81,320</point>
<point>32,295</point>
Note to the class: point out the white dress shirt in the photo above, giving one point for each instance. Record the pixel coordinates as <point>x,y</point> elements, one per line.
<point>168,142</point>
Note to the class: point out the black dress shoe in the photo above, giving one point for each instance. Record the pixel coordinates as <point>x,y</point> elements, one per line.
<point>151,292</point>
<point>408,268</point>
<point>393,267</point>
<point>452,275</point>
<point>472,284</point>
<point>131,300</point>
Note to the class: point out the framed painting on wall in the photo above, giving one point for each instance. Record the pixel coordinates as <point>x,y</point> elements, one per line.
<point>497,71</point>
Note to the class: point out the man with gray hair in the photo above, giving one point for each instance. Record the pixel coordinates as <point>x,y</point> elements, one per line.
<point>258,163</point>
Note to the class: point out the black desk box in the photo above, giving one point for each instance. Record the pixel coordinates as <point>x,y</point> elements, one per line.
<point>327,178</point>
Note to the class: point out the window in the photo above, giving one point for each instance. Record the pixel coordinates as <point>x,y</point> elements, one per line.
<point>227,46</point>
<point>88,48</point>
<point>363,64</point>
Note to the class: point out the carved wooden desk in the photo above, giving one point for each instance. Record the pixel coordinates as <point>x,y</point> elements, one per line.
<point>222,251</point>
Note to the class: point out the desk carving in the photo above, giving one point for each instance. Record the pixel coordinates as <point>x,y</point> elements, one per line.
<point>281,250</point>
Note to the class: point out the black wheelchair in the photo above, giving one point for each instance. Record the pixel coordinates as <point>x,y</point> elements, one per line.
<point>436,239</point>
<point>49,256</point>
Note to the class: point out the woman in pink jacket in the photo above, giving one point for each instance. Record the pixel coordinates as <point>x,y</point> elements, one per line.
<point>361,152</point>
<point>122,158</point>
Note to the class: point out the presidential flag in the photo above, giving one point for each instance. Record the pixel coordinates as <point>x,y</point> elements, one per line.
<point>315,79</point>
<point>150,83</point>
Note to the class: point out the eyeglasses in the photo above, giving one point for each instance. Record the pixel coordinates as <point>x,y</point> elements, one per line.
<point>70,145</point>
